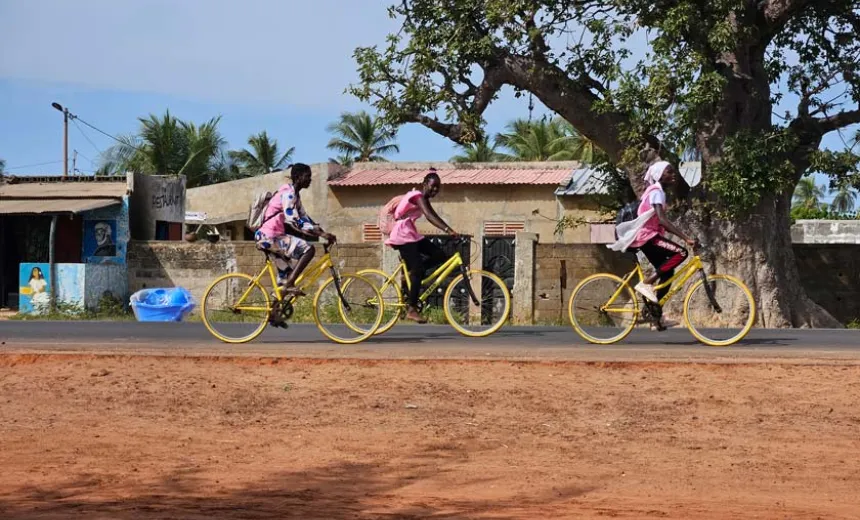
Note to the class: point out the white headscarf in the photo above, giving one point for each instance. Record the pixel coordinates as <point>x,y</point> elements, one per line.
<point>655,171</point>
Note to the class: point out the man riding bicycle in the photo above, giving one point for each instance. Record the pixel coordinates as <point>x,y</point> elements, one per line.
<point>285,222</point>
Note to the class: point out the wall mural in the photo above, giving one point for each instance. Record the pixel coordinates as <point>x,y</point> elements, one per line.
<point>99,238</point>
<point>35,288</point>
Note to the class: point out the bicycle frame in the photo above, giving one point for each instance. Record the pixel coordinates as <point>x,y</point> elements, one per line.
<point>435,279</point>
<point>307,279</point>
<point>683,275</point>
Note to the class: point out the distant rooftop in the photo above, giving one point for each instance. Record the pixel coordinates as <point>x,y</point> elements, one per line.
<point>507,173</point>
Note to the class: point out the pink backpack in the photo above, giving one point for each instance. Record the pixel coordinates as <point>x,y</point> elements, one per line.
<point>385,220</point>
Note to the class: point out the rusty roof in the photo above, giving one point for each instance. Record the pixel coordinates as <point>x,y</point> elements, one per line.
<point>64,190</point>
<point>388,174</point>
<point>49,206</point>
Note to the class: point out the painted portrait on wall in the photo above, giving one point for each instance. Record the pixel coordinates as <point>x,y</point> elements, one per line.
<point>99,238</point>
<point>34,292</point>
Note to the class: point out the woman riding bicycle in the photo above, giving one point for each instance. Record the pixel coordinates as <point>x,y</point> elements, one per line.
<point>663,254</point>
<point>417,251</point>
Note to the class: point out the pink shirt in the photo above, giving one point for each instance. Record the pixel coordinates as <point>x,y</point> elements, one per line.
<point>653,195</point>
<point>406,213</point>
<point>288,205</point>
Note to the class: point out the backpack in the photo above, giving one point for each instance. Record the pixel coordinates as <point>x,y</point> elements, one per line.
<point>385,220</point>
<point>627,213</point>
<point>258,210</point>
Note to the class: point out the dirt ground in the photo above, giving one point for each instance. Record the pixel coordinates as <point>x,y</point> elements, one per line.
<point>148,437</point>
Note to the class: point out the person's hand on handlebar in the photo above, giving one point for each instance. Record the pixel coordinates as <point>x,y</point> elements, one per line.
<point>331,239</point>
<point>452,232</point>
<point>693,242</point>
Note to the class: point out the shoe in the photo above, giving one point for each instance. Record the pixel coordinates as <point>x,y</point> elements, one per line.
<point>646,290</point>
<point>414,316</point>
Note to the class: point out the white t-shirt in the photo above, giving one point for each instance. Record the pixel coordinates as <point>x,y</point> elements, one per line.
<point>657,197</point>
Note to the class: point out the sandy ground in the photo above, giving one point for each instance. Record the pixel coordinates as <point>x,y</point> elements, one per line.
<point>146,438</point>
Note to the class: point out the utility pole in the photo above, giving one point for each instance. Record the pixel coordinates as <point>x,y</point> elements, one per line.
<point>65,112</point>
<point>74,162</point>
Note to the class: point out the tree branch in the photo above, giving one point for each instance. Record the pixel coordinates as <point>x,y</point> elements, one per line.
<point>837,121</point>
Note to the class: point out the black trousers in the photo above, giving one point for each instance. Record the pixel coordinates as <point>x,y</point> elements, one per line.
<point>420,257</point>
<point>665,256</point>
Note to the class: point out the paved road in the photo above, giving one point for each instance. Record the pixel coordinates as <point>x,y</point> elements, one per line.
<point>423,341</point>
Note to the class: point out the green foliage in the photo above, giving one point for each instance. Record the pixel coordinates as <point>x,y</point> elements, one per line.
<point>746,171</point>
<point>108,308</point>
<point>170,146</point>
<point>820,213</point>
<point>362,138</point>
<point>2,166</point>
<point>545,140</point>
<point>853,324</point>
<point>480,151</point>
<point>807,194</point>
<point>263,156</point>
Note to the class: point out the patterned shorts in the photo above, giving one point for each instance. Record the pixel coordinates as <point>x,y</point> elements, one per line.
<point>288,246</point>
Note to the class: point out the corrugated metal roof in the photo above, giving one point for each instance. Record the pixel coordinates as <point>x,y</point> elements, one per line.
<point>64,190</point>
<point>47,206</point>
<point>588,181</point>
<point>382,176</point>
<point>583,181</point>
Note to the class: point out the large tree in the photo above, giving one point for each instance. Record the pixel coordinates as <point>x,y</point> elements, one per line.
<point>713,74</point>
<point>361,137</point>
<point>169,146</point>
<point>263,156</point>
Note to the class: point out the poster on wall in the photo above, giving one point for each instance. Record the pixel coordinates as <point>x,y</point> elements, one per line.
<point>34,288</point>
<point>99,239</point>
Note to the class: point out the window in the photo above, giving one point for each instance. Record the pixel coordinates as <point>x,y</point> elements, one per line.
<point>371,233</point>
<point>503,229</point>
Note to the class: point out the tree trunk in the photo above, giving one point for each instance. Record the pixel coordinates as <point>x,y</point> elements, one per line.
<point>757,249</point>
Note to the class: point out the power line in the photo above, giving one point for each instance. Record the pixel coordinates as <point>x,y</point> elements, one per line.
<point>117,139</point>
<point>81,130</point>
<point>32,165</point>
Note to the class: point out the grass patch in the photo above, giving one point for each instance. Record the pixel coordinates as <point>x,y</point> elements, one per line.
<point>853,324</point>
<point>108,309</point>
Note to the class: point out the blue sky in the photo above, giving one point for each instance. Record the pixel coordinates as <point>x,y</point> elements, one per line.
<point>279,66</point>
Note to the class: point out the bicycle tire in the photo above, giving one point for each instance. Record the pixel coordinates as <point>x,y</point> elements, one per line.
<point>496,325</point>
<point>205,307</point>
<point>699,284</point>
<point>579,327</point>
<point>390,317</point>
<point>345,281</point>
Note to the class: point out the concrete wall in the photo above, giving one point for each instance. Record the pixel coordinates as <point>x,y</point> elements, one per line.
<point>826,232</point>
<point>155,197</point>
<point>195,265</point>
<point>105,280</point>
<point>831,276</point>
<point>558,268</point>
<point>465,207</point>
<point>233,198</point>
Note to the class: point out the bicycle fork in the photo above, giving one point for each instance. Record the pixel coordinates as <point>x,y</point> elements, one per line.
<point>336,277</point>
<point>469,285</point>
<point>709,291</point>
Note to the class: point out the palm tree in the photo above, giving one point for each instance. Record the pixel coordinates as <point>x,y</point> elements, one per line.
<point>2,166</point>
<point>342,159</point>
<point>480,151</point>
<point>844,200</point>
<point>807,193</point>
<point>545,140</point>
<point>362,138</point>
<point>263,157</point>
<point>169,146</point>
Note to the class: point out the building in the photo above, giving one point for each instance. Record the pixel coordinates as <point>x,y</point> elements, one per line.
<point>68,237</point>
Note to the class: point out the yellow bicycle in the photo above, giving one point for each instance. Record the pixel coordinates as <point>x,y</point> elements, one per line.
<point>719,309</point>
<point>476,303</point>
<point>236,307</point>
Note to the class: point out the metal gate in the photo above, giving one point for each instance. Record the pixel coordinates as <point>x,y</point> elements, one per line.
<point>499,258</point>
<point>450,246</point>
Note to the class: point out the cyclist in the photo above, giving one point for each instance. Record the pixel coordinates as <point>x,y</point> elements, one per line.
<point>285,222</point>
<point>417,251</point>
<point>663,254</point>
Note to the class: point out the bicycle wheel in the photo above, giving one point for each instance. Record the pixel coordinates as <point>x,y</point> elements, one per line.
<point>721,313</point>
<point>391,297</point>
<point>491,312</point>
<point>603,309</point>
<point>235,308</point>
<point>346,309</point>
